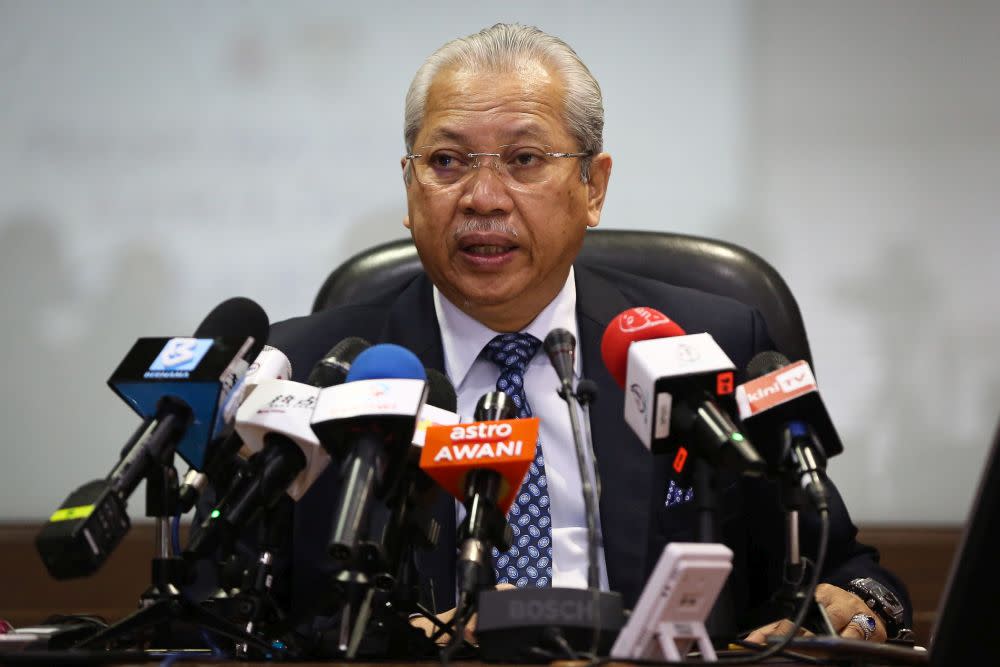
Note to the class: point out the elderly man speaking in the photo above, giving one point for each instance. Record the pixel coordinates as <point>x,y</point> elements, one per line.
<point>504,172</point>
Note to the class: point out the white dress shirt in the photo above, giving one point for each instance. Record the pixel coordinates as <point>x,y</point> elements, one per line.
<point>473,375</point>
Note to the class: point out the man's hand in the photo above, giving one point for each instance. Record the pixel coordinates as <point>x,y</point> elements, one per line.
<point>841,606</point>
<point>445,617</point>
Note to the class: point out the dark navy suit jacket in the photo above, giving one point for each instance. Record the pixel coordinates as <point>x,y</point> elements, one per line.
<point>635,520</point>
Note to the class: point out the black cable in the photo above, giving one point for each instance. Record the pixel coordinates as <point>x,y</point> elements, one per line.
<point>809,599</point>
<point>774,649</point>
<point>794,656</point>
<point>463,612</point>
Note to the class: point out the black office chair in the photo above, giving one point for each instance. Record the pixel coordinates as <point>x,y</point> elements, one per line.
<point>679,259</point>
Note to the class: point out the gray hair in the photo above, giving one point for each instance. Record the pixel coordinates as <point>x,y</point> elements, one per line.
<point>504,47</point>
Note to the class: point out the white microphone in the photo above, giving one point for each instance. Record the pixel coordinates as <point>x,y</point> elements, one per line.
<point>270,364</point>
<point>674,389</point>
<point>283,408</point>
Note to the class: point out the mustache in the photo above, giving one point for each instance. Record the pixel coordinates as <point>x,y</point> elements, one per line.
<point>484,226</point>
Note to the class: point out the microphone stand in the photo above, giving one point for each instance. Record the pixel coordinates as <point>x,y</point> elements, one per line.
<point>590,500</point>
<point>720,621</point>
<point>378,587</point>
<point>256,604</point>
<point>790,597</point>
<point>163,605</point>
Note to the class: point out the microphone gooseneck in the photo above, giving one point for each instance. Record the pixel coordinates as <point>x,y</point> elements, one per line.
<point>560,346</point>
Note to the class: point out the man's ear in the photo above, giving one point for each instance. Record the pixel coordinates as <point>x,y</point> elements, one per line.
<point>402,164</point>
<point>597,187</point>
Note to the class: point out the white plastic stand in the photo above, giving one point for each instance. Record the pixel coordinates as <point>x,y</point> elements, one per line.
<point>675,641</point>
<point>669,617</point>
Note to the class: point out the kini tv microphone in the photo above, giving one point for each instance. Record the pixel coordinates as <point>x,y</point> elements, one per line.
<point>781,408</point>
<point>282,451</point>
<point>482,464</point>
<point>179,386</point>
<point>366,424</point>
<point>678,390</point>
<point>221,460</point>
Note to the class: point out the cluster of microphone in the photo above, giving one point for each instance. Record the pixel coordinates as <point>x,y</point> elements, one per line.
<point>224,403</point>
<point>681,400</point>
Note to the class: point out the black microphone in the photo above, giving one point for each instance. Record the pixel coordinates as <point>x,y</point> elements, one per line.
<point>180,387</point>
<point>482,464</point>
<point>333,368</point>
<point>485,526</point>
<point>781,408</point>
<point>560,346</point>
<point>404,521</point>
<point>440,391</point>
<point>285,455</point>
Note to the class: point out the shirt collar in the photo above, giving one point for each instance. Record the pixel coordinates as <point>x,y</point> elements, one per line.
<point>463,338</point>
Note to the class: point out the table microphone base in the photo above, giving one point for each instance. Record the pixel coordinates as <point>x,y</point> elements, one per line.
<point>524,624</point>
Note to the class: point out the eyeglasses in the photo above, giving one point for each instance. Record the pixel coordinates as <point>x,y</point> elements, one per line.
<point>520,167</point>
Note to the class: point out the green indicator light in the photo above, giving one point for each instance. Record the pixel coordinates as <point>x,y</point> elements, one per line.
<point>216,514</point>
<point>738,437</point>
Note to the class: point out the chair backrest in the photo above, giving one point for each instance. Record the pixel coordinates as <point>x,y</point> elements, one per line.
<point>679,259</point>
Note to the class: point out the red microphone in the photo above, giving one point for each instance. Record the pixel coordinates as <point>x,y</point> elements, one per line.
<point>630,326</point>
<point>679,390</point>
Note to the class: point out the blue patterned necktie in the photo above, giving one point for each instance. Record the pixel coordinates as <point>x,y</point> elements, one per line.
<point>529,560</point>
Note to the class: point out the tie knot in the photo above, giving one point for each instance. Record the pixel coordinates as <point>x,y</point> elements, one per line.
<point>512,351</point>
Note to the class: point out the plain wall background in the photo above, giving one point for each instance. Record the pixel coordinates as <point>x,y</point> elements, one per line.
<point>157,158</point>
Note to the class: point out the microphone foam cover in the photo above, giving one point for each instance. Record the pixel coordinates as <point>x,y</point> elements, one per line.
<point>764,363</point>
<point>238,317</point>
<point>495,405</point>
<point>628,327</point>
<point>333,368</point>
<point>384,362</point>
<point>440,391</point>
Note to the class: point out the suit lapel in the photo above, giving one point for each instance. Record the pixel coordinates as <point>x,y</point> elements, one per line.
<point>412,323</point>
<point>624,464</point>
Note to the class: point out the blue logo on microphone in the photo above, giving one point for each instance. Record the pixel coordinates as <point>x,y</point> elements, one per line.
<point>179,357</point>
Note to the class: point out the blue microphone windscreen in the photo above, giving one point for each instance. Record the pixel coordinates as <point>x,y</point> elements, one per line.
<point>386,362</point>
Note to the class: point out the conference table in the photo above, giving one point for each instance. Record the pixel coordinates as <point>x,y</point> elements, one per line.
<point>804,651</point>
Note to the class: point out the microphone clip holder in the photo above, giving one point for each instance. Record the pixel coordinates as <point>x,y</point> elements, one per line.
<point>791,596</point>
<point>376,589</point>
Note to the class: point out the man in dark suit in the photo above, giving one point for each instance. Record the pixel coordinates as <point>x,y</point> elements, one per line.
<point>504,174</point>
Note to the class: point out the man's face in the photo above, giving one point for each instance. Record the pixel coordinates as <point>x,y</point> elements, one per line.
<point>501,253</point>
